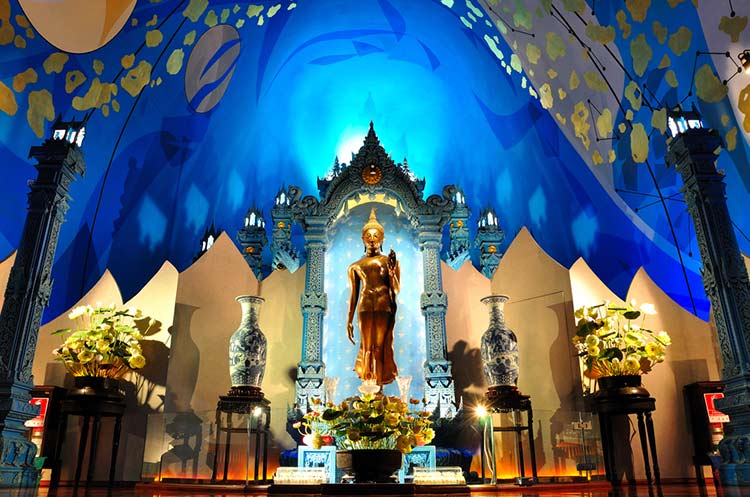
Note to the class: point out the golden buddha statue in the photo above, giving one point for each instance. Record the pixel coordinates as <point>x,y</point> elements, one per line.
<point>374,282</point>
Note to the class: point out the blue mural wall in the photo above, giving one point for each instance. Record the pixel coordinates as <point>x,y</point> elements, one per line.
<point>197,111</point>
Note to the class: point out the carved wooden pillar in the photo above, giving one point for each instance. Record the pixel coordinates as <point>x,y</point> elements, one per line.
<point>311,370</point>
<point>439,388</point>
<point>59,160</point>
<point>726,283</point>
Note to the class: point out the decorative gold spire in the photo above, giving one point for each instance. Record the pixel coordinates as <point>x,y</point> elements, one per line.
<point>373,223</point>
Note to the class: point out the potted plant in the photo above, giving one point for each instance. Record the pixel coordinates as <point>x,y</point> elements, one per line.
<point>373,429</point>
<point>615,346</point>
<point>103,345</point>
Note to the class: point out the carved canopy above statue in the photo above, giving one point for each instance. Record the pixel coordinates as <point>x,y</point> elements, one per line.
<point>373,176</point>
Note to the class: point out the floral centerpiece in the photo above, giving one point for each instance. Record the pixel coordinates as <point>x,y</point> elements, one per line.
<point>367,421</point>
<point>104,341</point>
<point>612,340</point>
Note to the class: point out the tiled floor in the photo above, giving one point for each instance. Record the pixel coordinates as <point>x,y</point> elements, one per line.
<point>596,490</point>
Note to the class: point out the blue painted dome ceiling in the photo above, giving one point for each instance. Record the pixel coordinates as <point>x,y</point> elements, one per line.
<point>550,111</point>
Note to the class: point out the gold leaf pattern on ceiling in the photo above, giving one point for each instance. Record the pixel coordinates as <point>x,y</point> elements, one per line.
<point>545,96</point>
<point>7,31</point>
<point>493,47</point>
<point>659,120</point>
<point>634,95</point>
<point>154,38</point>
<point>211,19</point>
<point>195,9</point>
<point>660,32</point>
<point>8,102</point>
<point>709,87</point>
<point>73,80</point>
<point>639,143</point>
<point>561,94</point>
<point>98,66</point>
<point>580,120</point>
<point>574,81</point>
<point>604,125</point>
<point>115,105</point>
<point>641,53</point>
<point>189,38</point>
<point>743,104</point>
<point>629,115</point>
<point>561,118</point>
<point>665,62</point>
<point>152,22</point>
<point>671,78</point>
<point>19,42</point>
<point>611,156</point>
<point>555,46</point>
<point>97,95</point>
<point>515,62</point>
<point>638,9</point>
<point>680,41</point>
<point>127,61</point>
<point>254,10</point>
<point>275,8</point>
<point>601,34</point>
<point>40,109</point>
<point>55,62</point>
<point>597,158</point>
<point>577,6</point>
<point>622,23</point>
<point>551,73</point>
<point>533,53</point>
<point>724,119</point>
<point>224,15</point>
<point>622,127</point>
<point>22,79</point>
<point>522,18</point>
<point>733,26</point>
<point>22,21</point>
<point>594,81</point>
<point>675,3</point>
<point>732,139</point>
<point>174,63</point>
<point>137,78</point>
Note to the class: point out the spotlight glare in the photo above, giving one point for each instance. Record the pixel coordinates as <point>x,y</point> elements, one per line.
<point>481,411</point>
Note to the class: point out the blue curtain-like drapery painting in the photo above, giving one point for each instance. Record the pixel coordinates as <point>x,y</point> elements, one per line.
<point>197,111</point>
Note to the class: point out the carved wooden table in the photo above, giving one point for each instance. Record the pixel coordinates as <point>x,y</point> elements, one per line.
<point>642,406</point>
<point>511,400</point>
<point>93,406</point>
<point>256,406</point>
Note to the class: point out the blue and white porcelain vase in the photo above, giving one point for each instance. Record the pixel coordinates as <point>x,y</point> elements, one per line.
<point>499,346</point>
<point>247,346</point>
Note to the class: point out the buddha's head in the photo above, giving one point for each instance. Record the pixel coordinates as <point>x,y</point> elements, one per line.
<point>373,233</point>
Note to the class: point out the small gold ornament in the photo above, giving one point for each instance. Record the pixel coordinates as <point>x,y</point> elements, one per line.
<point>372,174</point>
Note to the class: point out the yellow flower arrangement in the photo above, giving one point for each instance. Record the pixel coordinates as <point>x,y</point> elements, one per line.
<point>367,421</point>
<point>612,340</point>
<point>104,341</point>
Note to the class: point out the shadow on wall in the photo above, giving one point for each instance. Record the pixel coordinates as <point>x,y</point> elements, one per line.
<point>468,377</point>
<point>183,361</point>
<point>568,387</point>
